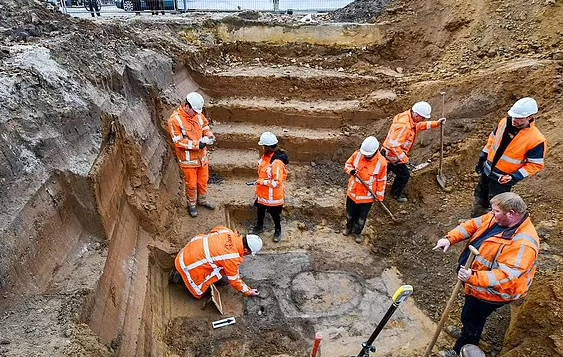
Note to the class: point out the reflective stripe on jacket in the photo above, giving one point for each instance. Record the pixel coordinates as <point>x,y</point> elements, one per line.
<point>515,158</point>
<point>207,257</point>
<point>186,132</point>
<point>373,172</point>
<point>402,134</point>
<point>505,268</point>
<point>270,183</point>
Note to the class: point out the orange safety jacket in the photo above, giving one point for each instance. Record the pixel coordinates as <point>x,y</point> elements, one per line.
<point>373,172</point>
<point>515,159</point>
<point>402,134</point>
<point>207,257</point>
<point>270,183</point>
<point>505,268</point>
<point>186,132</point>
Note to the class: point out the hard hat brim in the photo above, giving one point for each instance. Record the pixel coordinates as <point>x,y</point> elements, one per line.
<point>514,115</point>
<point>366,153</point>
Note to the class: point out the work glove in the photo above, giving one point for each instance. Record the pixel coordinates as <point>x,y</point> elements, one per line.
<point>251,183</point>
<point>443,244</point>
<point>480,165</point>
<point>464,274</point>
<point>504,179</point>
<point>442,121</point>
<point>353,172</point>
<point>254,292</point>
<point>211,140</point>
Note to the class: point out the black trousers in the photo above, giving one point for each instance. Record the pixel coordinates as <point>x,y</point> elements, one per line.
<point>402,176</point>
<point>93,6</point>
<point>488,188</point>
<point>275,212</point>
<point>356,215</point>
<point>473,316</point>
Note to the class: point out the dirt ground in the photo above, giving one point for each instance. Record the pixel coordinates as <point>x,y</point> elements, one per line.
<point>91,205</point>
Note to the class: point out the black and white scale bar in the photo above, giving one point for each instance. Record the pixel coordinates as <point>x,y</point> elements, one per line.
<point>224,322</point>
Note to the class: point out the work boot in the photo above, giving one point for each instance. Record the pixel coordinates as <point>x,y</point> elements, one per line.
<point>257,229</point>
<point>192,210</point>
<point>346,231</point>
<point>471,351</point>
<point>400,199</point>
<point>277,235</point>
<point>358,238</point>
<point>453,331</point>
<point>448,353</point>
<point>207,205</point>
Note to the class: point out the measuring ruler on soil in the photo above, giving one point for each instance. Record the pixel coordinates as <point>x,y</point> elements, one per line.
<point>224,322</point>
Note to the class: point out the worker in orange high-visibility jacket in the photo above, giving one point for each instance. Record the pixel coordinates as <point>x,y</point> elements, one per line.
<point>515,150</point>
<point>272,174</point>
<point>367,165</point>
<point>503,271</point>
<point>190,133</point>
<point>400,140</point>
<point>215,258</point>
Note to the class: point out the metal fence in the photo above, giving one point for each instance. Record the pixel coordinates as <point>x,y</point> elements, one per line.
<point>261,5</point>
<point>180,6</point>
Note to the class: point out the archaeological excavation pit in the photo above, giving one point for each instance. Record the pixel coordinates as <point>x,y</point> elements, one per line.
<point>96,211</point>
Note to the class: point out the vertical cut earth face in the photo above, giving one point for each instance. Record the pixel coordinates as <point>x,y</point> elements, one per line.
<point>100,211</point>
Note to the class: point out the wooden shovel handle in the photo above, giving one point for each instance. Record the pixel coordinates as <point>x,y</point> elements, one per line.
<point>382,204</point>
<point>473,253</point>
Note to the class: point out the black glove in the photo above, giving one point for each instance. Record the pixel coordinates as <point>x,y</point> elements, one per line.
<point>353,172</point>
<point>480,165</point>
<point>202,145</point>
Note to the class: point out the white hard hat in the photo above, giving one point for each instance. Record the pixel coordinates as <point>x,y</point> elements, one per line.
<point>254,243</point>
<point>268,139</point>
<point>523,108</point>
<point>369,146</point>
<point>196,101</point>
<point>423,109</point>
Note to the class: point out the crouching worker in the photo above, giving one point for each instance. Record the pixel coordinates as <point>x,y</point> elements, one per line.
<point>215,257</point>
<point>369,166</point>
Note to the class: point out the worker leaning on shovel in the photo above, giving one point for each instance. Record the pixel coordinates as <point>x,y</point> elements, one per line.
<point>515,150</point>
<point>368,174</point>
<point>215,257</point>
<point>503,271</point>
<point>400,140</point>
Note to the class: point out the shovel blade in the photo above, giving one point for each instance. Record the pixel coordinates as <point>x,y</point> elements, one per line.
<point>441,180</point>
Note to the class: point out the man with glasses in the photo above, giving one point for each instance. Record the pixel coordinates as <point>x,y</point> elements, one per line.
<point>515,150</point>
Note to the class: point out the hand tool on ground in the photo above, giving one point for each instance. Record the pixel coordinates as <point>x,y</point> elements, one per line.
<point>224,322</point>
<point>440,177</point>
<point>400,295</point>
<point>382,204</point>
<point>215,298</point>
<point>251,183</point>
<point>473,253</point>
<point>316,345</point>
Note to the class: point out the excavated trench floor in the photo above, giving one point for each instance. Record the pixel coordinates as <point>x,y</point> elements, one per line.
<point>313,281</point>
<point>109,269</point>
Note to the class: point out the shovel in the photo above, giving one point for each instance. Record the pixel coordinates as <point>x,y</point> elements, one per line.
<point>382,204</point>
<point>440,177</point>
<point>473,253</point>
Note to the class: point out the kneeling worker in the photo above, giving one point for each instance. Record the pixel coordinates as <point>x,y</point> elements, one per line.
<point>213,257</point>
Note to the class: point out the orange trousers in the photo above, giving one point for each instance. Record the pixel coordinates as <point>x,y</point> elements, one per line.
<point>196,184</point>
